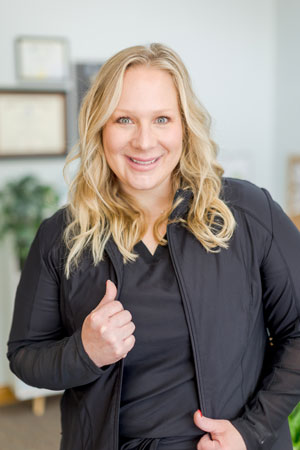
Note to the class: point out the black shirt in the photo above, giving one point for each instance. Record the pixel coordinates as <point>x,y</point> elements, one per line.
<point>159,394</point>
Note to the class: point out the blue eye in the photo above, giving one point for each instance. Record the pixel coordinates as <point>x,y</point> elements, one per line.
<point>124,120</point>
<point>162,119</point>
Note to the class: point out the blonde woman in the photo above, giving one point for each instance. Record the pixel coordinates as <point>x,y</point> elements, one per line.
<point>151,298</point>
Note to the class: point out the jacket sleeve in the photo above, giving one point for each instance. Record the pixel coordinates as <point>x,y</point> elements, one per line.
<point>41,352</point>
<point>279,390</point>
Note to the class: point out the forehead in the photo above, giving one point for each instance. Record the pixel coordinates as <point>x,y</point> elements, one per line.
<point>148,85</point>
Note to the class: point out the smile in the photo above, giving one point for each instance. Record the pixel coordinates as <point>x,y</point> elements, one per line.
<point>143,162</point>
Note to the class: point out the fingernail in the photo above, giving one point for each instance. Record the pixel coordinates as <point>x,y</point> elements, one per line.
<point>200,413</point>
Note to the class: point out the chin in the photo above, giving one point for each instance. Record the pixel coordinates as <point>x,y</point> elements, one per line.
<point>143,187</point>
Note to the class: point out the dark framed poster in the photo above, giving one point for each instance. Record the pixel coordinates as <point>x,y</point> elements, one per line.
<point>85,74</point>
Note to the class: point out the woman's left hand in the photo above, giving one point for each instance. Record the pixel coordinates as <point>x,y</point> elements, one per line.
<point>224,436</point>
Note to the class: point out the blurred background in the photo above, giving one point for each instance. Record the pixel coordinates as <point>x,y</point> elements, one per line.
<point>244,61</point>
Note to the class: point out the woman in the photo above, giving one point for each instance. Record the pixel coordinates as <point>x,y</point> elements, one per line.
<point>157,289</point>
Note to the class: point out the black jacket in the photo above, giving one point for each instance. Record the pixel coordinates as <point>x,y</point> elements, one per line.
<point>233,301</point>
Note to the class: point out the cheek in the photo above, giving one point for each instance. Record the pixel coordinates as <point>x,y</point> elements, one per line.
<point>175,143</point>
<point>111,143</point>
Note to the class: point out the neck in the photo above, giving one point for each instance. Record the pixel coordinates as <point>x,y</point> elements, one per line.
<point>154,201</point>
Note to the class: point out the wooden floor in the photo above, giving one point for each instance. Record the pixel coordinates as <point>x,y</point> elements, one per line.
<point>20,429</point>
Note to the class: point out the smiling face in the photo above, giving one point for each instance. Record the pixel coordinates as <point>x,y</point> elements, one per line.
<point>143,138</point>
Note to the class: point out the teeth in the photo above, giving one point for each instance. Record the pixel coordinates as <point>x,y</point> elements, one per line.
<point>144,163</point>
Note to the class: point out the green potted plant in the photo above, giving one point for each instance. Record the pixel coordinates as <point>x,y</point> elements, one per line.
<point>24,203</point>
<point>294,422</point>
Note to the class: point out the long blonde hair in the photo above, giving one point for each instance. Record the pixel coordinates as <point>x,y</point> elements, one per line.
<point>98,210</point>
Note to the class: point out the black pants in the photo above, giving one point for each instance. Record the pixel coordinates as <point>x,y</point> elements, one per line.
<point>174,443</point>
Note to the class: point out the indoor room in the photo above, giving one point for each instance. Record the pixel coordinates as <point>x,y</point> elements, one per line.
<point>244,66</point>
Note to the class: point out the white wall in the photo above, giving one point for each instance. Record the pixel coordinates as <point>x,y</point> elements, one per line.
<point>232,49</point>
<point>287,134</point>
<point>8,281</point>
<point>228,46</point>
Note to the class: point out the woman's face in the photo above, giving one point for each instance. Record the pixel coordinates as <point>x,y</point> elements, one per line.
<point>143,138</point>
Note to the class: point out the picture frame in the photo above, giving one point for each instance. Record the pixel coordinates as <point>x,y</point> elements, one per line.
<point>85,74</point>
<point>293,191</point>
<point>32,123</point>
<point>42,59</point>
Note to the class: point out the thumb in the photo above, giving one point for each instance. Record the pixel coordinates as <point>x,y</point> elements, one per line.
<point>206,424</point>
<point>110,293</point>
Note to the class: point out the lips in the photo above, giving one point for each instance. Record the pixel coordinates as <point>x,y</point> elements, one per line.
<point>143,162</point>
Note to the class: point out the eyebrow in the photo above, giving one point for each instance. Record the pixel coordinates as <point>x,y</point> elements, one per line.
<point>158,111</point>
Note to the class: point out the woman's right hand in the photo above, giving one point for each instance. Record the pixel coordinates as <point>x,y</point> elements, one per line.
<point>107,331</point>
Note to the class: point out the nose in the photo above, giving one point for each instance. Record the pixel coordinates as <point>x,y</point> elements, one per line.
<point>144,137</point>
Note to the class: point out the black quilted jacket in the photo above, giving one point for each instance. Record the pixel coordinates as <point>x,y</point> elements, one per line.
<point>233,300</point>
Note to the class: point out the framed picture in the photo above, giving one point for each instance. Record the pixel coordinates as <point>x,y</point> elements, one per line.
<point>32,123</point>
<point>42,58</point>
<point>293,197</point>
<point>85,74</point>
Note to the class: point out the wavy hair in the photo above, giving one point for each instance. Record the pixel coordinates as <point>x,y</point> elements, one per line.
<point>98,210</point>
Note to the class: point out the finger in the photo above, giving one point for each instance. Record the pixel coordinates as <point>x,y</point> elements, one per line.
<point>108,310</point>
<point>110,294</point>
<point>99,317</point>
<point>129,343</point>
<point>121,318</point>
<point>111,309</point>
<point>206,443</point>
<point>118,337</point>
<point>208,425</point>
<point>126,331</point>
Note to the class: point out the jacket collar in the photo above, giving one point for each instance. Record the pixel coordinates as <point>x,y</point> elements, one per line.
<point>180,211</point>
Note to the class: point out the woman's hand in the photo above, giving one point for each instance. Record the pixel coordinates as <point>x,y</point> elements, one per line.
<point>107,331</point>
<point>224,436</point>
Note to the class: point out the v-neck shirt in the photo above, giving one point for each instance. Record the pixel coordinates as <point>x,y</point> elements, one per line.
<point>159,395</point>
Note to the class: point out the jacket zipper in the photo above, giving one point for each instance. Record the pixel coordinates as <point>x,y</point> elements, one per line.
<point>186,304</point>
<point>119,363</point>
<point>117,408</point>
